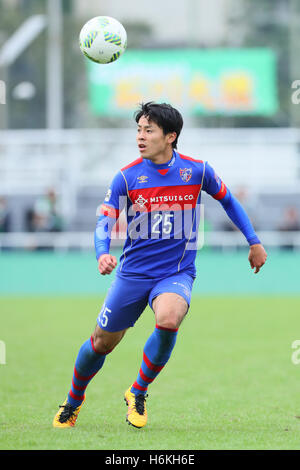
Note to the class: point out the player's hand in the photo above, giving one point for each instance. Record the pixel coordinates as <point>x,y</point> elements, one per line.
<point>257,257</point>
<point>106,264</point>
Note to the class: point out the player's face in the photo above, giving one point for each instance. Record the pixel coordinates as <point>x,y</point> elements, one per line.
<point>152,142</point>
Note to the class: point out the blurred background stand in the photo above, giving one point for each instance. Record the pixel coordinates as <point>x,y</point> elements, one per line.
<point>13,48</point>
<point>67,124</point>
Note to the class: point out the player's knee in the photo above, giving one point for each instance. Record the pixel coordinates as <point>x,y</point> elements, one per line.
<point>171,325</point>
<point>102,345</point>
<point>105,342</point>
<point>170,319</point>
<point>170,315</point>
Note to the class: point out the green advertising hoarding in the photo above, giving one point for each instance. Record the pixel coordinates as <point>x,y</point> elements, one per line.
<point>206,82</point>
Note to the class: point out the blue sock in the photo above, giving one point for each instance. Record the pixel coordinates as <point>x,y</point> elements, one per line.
<point>157,352</point>
<point>87,364</point>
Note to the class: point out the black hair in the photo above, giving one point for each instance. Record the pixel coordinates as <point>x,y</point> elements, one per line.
<point>164,115</point>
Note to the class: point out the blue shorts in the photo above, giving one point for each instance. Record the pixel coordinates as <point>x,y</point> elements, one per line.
<point>126,299</point>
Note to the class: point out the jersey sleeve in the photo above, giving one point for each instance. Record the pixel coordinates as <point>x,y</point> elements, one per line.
<point>113,204</point>
<point>213,185</point>
<point>115,198</point>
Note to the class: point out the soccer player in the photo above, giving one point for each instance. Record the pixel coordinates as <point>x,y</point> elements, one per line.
<point>160,192</point>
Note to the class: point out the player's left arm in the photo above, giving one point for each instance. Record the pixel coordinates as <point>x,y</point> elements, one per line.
<point>214,186</point>
<point>257,257</point>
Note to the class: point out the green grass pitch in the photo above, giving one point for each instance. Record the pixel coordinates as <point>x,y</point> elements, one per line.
<point>230,383</point>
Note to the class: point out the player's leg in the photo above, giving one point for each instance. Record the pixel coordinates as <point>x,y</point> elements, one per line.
<point>170,308</point>
<point>105,341</point>
<point>117,314</point>
<point>89,361</point>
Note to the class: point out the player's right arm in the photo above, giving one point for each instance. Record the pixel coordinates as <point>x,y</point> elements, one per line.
<point>106,263</point>
<point>110,210</point>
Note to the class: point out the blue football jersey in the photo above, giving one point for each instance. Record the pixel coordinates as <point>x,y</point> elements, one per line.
<point>162,205</point>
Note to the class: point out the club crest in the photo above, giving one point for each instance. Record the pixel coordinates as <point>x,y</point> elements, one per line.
<point>185,174</point>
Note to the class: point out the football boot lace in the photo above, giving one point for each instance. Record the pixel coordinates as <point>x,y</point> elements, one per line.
<point>140,403</point>
<point>67,413</point>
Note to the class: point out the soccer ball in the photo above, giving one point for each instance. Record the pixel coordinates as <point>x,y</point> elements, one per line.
<point>103,39</point>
